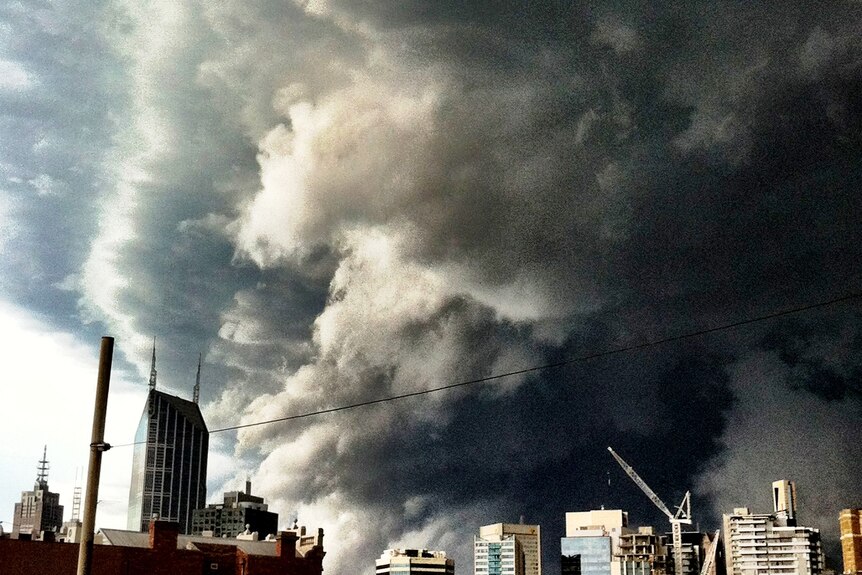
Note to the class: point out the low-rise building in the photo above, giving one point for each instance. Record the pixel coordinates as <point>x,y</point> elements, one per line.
<point>414,562</point>
<point>164,550</point>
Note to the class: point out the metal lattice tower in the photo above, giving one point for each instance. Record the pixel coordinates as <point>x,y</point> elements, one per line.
<point>76,500</point>
<point>42,475</point>
<point>153,367</point>
<point>196,394</point>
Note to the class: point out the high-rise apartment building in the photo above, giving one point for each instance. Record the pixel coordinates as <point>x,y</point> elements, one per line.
<point>529,537</point>
<point>169,465</point>
<point>414,562</point>
<point>238,511</point>
<point>497,555</point>
<point>40,509</point>
<point>850,521</point>
<point>592,541</point>
<point>771,543</point>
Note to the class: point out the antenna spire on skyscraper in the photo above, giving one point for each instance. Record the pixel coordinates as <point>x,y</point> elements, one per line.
<point>153,367</point>
<point>42,477</point>
<point>196,394</point>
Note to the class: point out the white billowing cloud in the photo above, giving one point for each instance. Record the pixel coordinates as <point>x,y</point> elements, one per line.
<point>616,35</point>
<point>391,326</point>
<point>102,280</point>
<point>777,432</point>
<point>386,329</point>
<point>8,225</point>
<point>155,35</point>
<point>348,158</point>
<point>45,185</point>
<point>13,76</point>
<point>451,532</point>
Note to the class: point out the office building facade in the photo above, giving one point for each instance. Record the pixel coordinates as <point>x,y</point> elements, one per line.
<point>39,510</point>
<point>529,537</point>
<point>414,562</point>
<point>850,521</point>
<point>238,511</point>
<point>497,555</point>
<point>592,541</point>
<point>169,464</point>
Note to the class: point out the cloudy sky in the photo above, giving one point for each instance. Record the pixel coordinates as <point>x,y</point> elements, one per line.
<point>339,200</point>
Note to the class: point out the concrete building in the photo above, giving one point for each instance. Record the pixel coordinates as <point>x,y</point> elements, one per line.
<point>39,510</point>
<point>771,543</point>
<point>530,538</point>
<point>414,562</point>
<point>169,464</point>
<point>497,555</point>
<point>164,550</point>
<point>643,553</point>
<point>850,521</point>
<point>592,541</point>
<point>239,511</point>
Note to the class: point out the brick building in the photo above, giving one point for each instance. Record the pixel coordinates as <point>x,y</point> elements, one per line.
<point>850,521</point>
<point>164,552</point>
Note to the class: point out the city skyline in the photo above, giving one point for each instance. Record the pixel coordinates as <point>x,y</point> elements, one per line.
<point>333,202</point>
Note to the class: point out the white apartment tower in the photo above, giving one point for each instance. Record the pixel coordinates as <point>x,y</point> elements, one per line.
<point>771,543</point>
<point>530,538</point>
<point>497,555</point>
<point>414,562</point>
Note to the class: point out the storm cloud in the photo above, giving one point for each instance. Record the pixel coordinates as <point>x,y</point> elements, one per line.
<point>341,201</point>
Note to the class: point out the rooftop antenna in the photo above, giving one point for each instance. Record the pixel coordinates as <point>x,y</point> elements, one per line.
<point>196,393</point>
<point>42,477</point>
<point>153,367</point>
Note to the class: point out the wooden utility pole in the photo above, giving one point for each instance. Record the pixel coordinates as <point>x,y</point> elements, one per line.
<point>97,446</point>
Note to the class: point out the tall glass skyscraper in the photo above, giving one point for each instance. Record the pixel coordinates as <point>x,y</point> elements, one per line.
<point>169,465</point>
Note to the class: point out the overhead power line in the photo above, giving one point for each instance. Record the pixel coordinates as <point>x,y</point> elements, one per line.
<point>561,363</point>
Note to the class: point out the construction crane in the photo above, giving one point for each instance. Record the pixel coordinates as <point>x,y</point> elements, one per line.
<point>682,515</point>
<point>710,556</point>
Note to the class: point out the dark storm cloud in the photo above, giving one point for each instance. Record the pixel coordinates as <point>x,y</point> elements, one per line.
<point>637,172</point>
<point>338,201</point>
